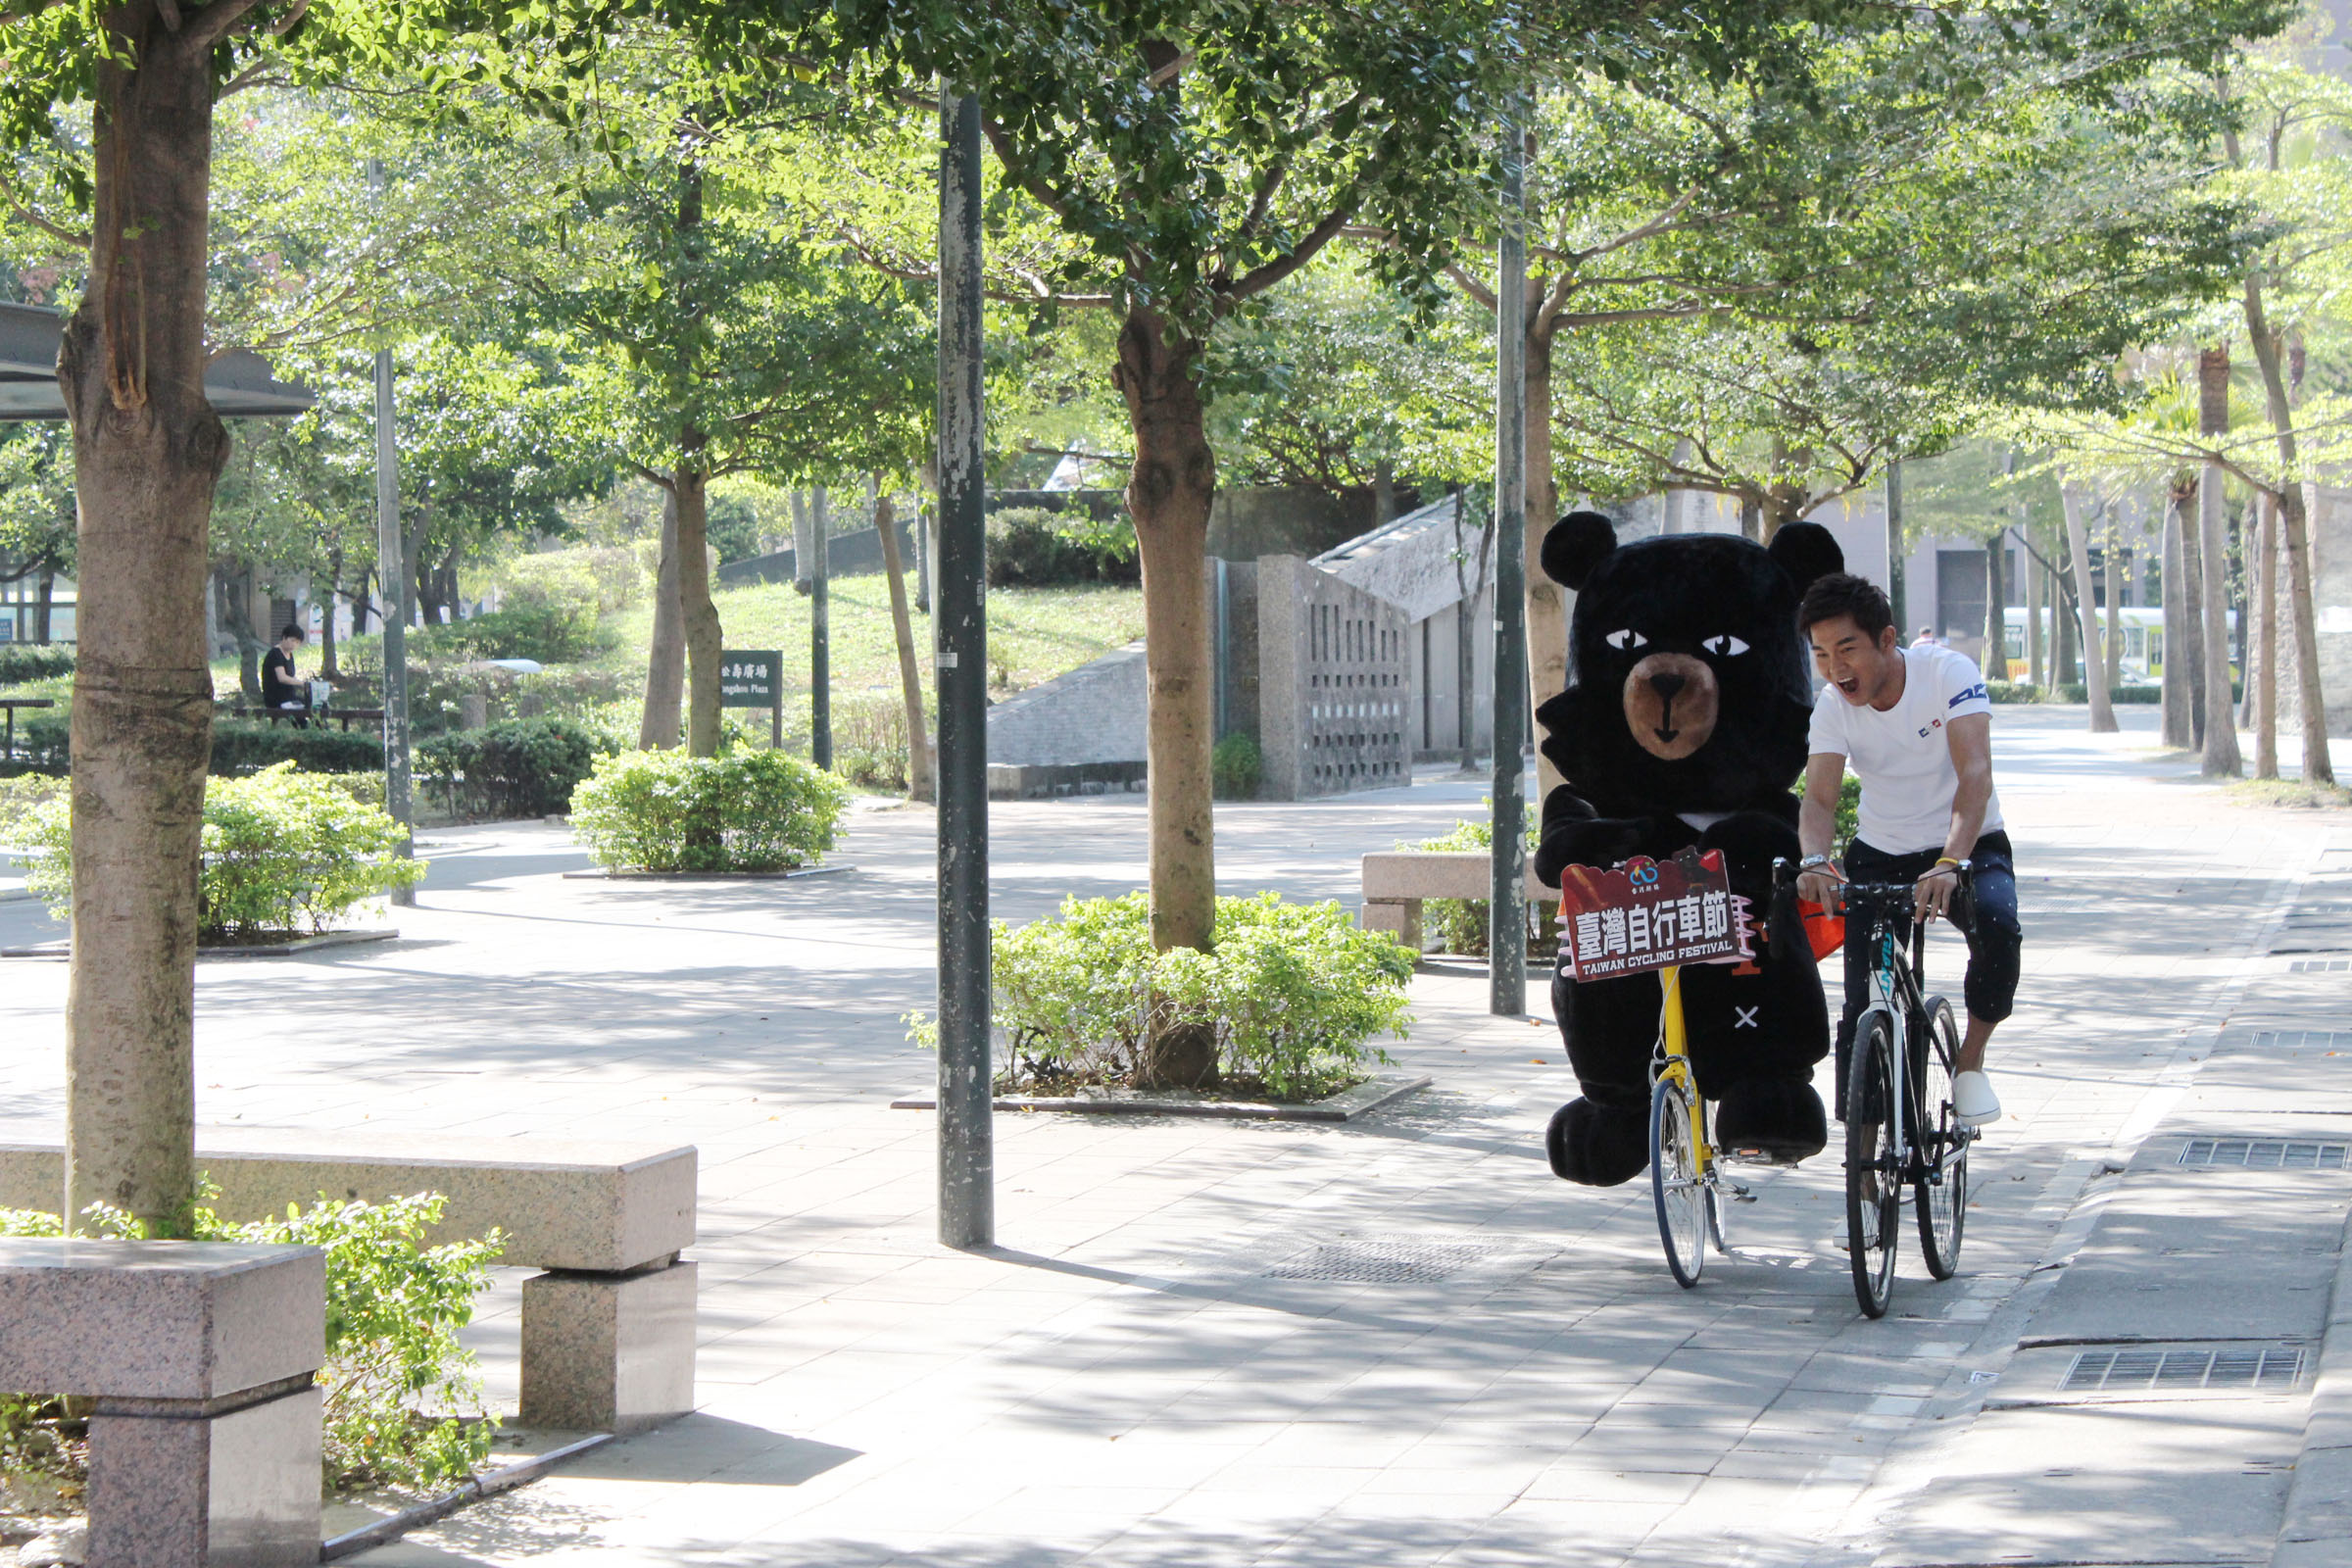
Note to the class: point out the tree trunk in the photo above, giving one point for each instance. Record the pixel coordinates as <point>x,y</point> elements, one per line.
<point>2115,574</point>
<point>2037,666</point>
<point>803,542</point>
<point>910,681</point>
<point>327,669</point>
<point>1996,608</point>
<point>1465,647</point>
<point>1895,547</point>
<point>1168,494</point>
<point>1547,603</point>
<point>2062,634</point>
<point>44,602</point>
<point>820,628</point>
<point>697,616</point>
<point>666,665</point>
<point>2179,696</point>
<point>148,450</point>
<point>2262,668</point>
<point>2317,768</point>
<point>2094,673</point>
<point>2219,758</point>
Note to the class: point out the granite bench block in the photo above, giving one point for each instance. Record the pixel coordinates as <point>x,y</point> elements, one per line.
<point>608,1352</point>
<point>241,1489</point>
<point>158,1320</point>
<point>563,1204</point>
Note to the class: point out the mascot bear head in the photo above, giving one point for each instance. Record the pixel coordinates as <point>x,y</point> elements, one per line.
<point>1687,684</point>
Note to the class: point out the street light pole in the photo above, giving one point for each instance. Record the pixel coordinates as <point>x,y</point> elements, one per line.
<point>967,1215</point>
<point>392,581</point>
<point>1506,908</point>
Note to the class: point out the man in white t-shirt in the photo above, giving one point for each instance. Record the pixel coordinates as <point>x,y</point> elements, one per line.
<point>1915,724</point>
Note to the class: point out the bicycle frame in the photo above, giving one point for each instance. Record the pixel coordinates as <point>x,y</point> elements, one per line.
<point>1671,1059</point>
<point>1897,992</point>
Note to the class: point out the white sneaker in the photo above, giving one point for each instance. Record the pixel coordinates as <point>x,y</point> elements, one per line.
<point>1973,1101</point>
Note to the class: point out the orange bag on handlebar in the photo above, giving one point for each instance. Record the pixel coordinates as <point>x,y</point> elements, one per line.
<point>1824,929</point>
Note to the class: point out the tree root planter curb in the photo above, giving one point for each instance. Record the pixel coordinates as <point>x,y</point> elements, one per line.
<point>269,950</point>
<point>706,876</point>
<point>1346,1105</point>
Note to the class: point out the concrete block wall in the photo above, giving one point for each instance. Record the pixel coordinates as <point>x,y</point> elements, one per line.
<point>1335,684</point>
<point>1094,713</point>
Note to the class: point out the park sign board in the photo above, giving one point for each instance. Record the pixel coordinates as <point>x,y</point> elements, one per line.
<point>751,679</point>
<point>1650,914</point>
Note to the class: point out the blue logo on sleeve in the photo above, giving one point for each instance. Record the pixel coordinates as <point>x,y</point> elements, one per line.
<point>1977,691</point>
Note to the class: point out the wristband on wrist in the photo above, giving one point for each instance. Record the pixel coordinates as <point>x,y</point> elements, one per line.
<point>1812,861</point>
<point>1946,860</point>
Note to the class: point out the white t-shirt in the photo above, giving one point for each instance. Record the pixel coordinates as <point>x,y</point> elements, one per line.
<point>1902,756</point>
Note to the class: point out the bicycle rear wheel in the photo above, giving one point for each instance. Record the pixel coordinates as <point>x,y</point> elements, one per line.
<point>1874,1186</point>
<point>1940,1196</point>
<point>1676,1183</point>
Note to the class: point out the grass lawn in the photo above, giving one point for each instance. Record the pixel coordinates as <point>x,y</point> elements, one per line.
<point>1033,633</point>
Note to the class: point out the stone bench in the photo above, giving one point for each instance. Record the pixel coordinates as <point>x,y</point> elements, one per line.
<point>1397,881</point>
<point>608,1329</point>
<point>199,1359</point>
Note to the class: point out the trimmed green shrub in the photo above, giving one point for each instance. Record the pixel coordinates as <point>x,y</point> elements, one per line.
<point>243,746</point>
<point>1237,767</point>
<point>741,810</point>
<point>1460,924</point>
<point>403,1397</point>
<point>1294,992</point>
<point>44,742</point>
<point>23,662</point>
<point>1029,547</point>
<point>2012,691</point>
<point>551,633</point>
<point>285,852</point>
<point>2079,691</point>
<point>524,767</point>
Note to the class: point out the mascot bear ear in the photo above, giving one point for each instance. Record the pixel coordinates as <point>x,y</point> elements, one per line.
<point>1577,543</point>
<point>1805,550</point>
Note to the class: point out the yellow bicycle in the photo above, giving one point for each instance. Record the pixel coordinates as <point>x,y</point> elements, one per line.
<point>1687,1176</point>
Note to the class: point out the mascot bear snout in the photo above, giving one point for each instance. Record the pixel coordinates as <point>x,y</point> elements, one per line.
<point>1671,701</point>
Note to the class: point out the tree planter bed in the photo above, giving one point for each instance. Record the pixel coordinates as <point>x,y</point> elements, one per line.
<point>706,876</point>
<point>250,949</point>
<point>1346,1105</point>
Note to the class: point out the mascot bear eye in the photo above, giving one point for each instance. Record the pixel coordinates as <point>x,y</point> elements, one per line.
<point>1628,638</point>
<point>1726,644</point>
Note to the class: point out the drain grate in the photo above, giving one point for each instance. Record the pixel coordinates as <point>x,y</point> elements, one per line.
<point>2319,965</point>
<point>2265,1153</point>
<point>2262,1368</point>
<point>2305,1038</point>
<point>1395,1260</point>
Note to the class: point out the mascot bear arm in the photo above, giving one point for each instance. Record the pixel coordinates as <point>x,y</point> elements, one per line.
<point>1684,725</point>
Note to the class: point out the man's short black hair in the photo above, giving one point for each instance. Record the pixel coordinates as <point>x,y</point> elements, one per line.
<point>294,632</point>
<point>1841,593</point>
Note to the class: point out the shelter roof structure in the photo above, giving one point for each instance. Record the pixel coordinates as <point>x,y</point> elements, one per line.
<point>1411,561</point>
<point>239,383</point>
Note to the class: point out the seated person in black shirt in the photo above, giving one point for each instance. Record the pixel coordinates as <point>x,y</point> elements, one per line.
<point>281,688</point>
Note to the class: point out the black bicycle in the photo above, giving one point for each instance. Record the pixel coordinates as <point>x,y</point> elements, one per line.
<point>1904,1046</point>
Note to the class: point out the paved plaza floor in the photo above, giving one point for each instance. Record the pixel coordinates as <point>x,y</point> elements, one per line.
<point>1167,1361</point>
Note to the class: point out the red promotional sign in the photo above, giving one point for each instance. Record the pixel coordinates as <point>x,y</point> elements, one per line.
<point>1648,915</point>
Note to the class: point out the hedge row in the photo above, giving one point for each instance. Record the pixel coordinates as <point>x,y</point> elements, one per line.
<point>526,767</point>
<point>23,662</point>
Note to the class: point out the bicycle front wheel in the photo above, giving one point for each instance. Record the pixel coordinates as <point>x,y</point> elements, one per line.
<point>1676,1183</point>
<point>1940,1196</point>
<point>1874,1174</point>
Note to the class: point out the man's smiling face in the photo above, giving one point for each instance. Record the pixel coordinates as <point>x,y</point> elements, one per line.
<point>1857,664</point>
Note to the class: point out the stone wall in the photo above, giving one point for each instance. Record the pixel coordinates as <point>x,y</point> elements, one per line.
<point>1335,684</point>
<point>1094,713</point>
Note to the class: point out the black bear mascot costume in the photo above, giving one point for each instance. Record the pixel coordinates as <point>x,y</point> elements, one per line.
<point>1684,724</point>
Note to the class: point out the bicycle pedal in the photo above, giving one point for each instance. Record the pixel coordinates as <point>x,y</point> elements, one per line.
<point>1740,1195</point>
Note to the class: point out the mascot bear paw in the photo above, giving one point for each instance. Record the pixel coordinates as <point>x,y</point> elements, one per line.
<point>1780,1119</point>
<point>1599,1146</point>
